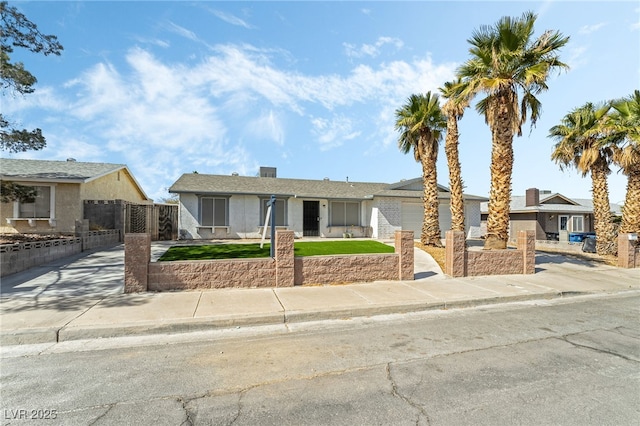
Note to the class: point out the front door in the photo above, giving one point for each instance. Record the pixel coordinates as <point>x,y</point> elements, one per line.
<point>311,218</point>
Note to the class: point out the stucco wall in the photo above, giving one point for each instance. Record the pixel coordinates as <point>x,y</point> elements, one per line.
<point>116,185</point>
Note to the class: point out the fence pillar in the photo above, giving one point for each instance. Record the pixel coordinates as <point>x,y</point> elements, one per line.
<point>527,243</point>
<point>285,263</point>
<point>137,255</point>
<point>626,251</point>
<point>404,248</point>
<point>455,254</point>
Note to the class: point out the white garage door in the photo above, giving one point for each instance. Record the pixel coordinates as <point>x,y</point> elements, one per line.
<point>413,213</point>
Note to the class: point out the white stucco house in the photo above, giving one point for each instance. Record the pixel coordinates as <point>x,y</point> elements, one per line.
<point>219,206</point>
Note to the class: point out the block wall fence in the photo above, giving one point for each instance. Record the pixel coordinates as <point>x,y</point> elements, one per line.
<point>460,262</point>
<point>628,251</point>
<point>18,257</point>
<point>285,270</point>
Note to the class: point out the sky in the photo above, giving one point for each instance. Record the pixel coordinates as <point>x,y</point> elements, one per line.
<point>310,88</point>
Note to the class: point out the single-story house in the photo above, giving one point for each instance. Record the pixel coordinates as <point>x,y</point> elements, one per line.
<point>217,206</point>
<point>62,188</point>
<point>552,215</point>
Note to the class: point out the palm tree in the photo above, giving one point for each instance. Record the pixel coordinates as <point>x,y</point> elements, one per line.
<point>582,143</point>
<point>421,124</point>
<point>453,109</point>
<point>506,60</point>
<point>626,126</point>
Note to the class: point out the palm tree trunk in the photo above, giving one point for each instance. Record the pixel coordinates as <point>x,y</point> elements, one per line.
<point>501,169</point>
<point>631,209</point>
<point>605,233</point>
<point>455,178</point>
<point>431,223</point>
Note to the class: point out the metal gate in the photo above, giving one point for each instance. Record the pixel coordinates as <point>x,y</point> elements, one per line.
<point>158,220</point>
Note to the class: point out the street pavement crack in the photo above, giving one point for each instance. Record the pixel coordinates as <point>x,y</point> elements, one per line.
<point>397,394</point>
<point>600,350</point>
<point>188,421</point>
<point>97,419</point>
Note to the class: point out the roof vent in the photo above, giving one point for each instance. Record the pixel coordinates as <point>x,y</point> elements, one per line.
<point>235,174</point>
<point>71,160</point>
<point>326,179</point>
<point>268,172</point>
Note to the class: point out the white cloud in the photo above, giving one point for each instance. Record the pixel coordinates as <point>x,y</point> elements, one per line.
<point>588,29</point>
<point>169,118</point>
<point>181,31</point>
<point>371,50</point>
<point>334,132</point>
<point>231,19</point>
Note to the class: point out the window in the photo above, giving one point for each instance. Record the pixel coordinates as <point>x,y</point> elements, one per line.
<point>281,211</point>
<point>564,221</point>
<point>345,213</point>
<point>213,211</point>
<point>40,208</point>
<point>577,224</point>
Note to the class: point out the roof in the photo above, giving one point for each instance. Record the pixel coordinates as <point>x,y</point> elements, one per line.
<point>59,171</point>
<point>54,171</point>
<point>196,183</point>
<point>548,204</point>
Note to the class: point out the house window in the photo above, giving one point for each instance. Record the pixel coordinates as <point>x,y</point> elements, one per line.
<point>40,208</point>
<point>213,211</point>
<point>577,224</point>
<point>281,211</point>
<point>345,213</point>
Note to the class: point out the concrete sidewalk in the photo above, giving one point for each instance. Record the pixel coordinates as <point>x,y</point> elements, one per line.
<point>81,298</point>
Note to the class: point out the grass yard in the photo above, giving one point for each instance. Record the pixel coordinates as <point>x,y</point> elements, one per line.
<point>247,251</point>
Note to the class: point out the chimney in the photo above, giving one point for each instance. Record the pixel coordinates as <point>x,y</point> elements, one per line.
<point>532,197</point>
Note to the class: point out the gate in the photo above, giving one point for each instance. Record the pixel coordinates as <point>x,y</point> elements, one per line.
<point>158,220</point>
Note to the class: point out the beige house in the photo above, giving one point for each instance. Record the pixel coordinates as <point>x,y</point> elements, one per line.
<point>62,188</point>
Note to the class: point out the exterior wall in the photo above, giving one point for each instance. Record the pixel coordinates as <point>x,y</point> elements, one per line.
<point>283,271</point>
<point>389,217</point>
<point>471,214</point>
<point>69,202</point>
<point>116,185</point>
<point>525,222</point>
<point>460,262</point>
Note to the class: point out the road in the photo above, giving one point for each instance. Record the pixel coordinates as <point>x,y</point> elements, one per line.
<point>573,361</point>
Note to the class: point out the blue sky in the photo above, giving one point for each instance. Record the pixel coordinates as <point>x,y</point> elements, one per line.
<point>308,87</point>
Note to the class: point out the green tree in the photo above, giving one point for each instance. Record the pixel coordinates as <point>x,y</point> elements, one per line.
<point>453,109</point>
<point>582,143</point>
<point>625,124</point>
<point>510,67</point>
<point>421,123</point>
<point>17,31</point>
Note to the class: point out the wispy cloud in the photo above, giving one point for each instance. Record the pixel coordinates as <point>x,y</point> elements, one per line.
<point>588,29</point>
<point>372,50</point>
<point>181,31</point>
<point>231,19</point>
<point>333,132</point>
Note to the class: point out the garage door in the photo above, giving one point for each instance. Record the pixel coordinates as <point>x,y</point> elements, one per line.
<point>413,213</point>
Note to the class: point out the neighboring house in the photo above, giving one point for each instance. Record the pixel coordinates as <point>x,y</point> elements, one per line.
<point>215,206</point>
<point>552,216</point>
<point>62,188</point>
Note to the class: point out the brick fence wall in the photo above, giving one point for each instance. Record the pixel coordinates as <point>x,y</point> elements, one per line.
<point>628,251</point>
<point>21,256</point>
<point>284,270</point>
<point>460,262</point>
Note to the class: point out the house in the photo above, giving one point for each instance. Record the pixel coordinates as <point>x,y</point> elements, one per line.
<point>63,187</point>
<point>552,215</point>
<point>216,206</point>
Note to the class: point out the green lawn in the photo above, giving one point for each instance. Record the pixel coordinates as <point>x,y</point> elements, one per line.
<point>245,251</point>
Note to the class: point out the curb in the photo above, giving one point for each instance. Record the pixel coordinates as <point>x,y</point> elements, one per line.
<point>189,325</point>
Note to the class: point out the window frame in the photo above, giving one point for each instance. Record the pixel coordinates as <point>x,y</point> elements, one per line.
<point>213,224</point>
<point>332,206</point>
<point>17,205</point>
<point>263,210</point>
